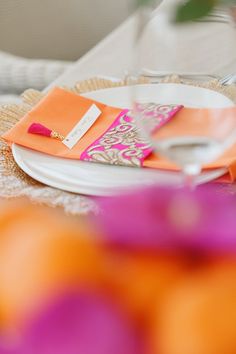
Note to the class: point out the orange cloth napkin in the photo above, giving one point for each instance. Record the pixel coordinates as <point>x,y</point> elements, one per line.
<point>61,110</point>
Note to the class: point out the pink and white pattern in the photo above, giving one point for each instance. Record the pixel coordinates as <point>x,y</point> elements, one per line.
<point>123,144</point>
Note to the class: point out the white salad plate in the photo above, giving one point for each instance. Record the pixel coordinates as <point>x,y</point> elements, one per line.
<point>102,180</point>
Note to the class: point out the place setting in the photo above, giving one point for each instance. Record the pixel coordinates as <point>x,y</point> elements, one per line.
<point>167,123</point>
<point>48,160</point>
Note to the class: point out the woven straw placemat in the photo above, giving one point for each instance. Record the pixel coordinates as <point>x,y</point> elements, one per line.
<point>15,183</point>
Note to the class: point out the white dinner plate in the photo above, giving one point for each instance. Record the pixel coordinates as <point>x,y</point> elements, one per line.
<point>97,179</point>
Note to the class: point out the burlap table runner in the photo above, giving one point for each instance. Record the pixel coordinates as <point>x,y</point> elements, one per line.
<point>15,183</point>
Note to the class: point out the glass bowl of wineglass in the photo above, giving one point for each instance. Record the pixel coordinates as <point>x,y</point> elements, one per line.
<point>187,64</point>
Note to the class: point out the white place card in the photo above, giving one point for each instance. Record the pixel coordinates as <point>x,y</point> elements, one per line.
<point>82,127</point>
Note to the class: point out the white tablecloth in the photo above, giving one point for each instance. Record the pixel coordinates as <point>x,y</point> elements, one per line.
<point>113,56</point>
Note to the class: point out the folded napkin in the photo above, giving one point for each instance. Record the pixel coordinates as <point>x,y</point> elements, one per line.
<point>114,138</point>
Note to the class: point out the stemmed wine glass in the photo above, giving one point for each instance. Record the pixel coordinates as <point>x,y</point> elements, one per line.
<point>198,52</point>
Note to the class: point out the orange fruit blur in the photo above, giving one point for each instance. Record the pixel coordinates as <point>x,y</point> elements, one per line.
<point>199,317</point>
<point>42,252</point>
<point>141,280</point>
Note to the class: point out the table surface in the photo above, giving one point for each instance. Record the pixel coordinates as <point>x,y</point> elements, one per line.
<point>112,57</point>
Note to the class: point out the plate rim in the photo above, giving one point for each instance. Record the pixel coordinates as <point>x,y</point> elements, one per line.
<point>206,89</point>
<point>99,191</point>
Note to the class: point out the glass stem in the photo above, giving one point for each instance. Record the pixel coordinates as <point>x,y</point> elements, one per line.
<point>190,173</point>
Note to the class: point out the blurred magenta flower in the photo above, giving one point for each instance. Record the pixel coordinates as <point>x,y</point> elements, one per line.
<point>82,323</point>
<point>164,219</point>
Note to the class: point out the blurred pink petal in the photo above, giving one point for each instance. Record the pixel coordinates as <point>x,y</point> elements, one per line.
<point>161,218</point>
<point>80,324</point>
